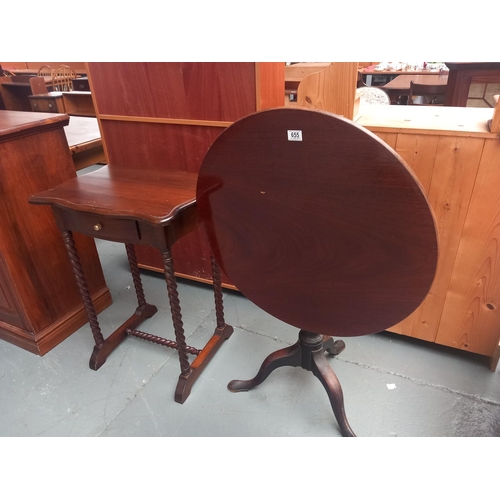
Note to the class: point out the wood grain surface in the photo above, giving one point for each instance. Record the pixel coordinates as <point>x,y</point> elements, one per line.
<point>123,192</point>
<point>39,301</point>
<point>332,234</point>
<point>453,170</point>
<point>472,310</point>
<point>204,91</point>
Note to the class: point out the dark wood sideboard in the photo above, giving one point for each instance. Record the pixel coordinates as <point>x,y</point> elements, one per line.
<point>39,301</point>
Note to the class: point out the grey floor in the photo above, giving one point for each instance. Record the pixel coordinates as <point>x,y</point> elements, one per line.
<point>393,385</point>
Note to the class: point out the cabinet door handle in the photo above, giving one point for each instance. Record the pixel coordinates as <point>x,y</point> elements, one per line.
<point>97,227</point>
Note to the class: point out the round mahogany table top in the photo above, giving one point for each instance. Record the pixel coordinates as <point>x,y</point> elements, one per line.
<point>317,221</point>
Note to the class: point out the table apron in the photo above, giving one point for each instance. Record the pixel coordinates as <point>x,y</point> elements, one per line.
<point>98,226</point>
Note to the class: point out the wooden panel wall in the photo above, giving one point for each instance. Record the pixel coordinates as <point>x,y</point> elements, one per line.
<point>167,115</point>
<point>471,314</point>
<point>158,145</point>
<point>453,171</point>
<point>331,89</point>
<point>460,176</point>
<point>190,91</point>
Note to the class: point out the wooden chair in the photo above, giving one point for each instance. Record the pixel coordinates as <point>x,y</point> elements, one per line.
<point>63,78</point>
<point>373,95</point>
<point>42,100</point>
<point>433,95</point>
<point>322,225</point>
<point>38,85</point>
<point>5,72</point>
<point>46,71</point>
<point>360,83</point>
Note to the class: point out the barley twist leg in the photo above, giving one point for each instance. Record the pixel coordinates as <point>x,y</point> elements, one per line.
<point>136,276</point>
<point>175,308</point>
<point>219,307</point>
<point>81,282</point>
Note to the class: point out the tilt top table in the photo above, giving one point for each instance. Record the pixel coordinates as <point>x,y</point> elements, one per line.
<point>322,225</point>
<point>136,207</point>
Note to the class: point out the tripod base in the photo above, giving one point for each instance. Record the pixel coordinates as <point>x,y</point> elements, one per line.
<point>309,353</point>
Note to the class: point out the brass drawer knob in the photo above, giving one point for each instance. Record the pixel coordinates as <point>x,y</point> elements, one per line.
<point>97,227</point>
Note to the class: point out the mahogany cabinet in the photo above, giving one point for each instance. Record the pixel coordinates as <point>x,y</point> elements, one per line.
<point>167,115</point>
<point>39,301</point>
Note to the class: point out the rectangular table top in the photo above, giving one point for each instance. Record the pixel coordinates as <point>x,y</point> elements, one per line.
<point>154,196</point>
<point>402,82</point>
<point>17,123</point>
<point>373,70</point>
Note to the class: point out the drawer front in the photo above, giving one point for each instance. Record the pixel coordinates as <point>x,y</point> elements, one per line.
<point>81,84</point>
<point>98,226</point>
<point>44,105</point>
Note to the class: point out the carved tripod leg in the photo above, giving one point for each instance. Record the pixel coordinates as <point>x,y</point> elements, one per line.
<point>175,308</point>
<point>323,371</point>
<point>289,356</point>
<point>333,347</point>
<point>81,282</point>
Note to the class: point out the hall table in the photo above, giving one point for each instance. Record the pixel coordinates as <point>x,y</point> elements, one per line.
<point>457,160</point>
<point>136,207</point>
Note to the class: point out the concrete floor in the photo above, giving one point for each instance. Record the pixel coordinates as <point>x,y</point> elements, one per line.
<point>393,385</point>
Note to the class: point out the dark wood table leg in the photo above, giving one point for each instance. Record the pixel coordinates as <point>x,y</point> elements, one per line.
<point>81,282</point>
<point>190,372</point>
<point>333,347</point>
<point>323,371</point>
<point>309,353</point>
<point>175,309</point>
<point>217,283</point>
<point>136,275</point>
<point>103,347</point>
<point>289,356</point>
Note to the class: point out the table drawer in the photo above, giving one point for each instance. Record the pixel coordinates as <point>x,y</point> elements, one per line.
<point>99,226</point>
<point>81,84</point>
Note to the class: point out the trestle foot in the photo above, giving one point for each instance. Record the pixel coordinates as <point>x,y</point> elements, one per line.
<point>101,352</point>
<point>186,380</point>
